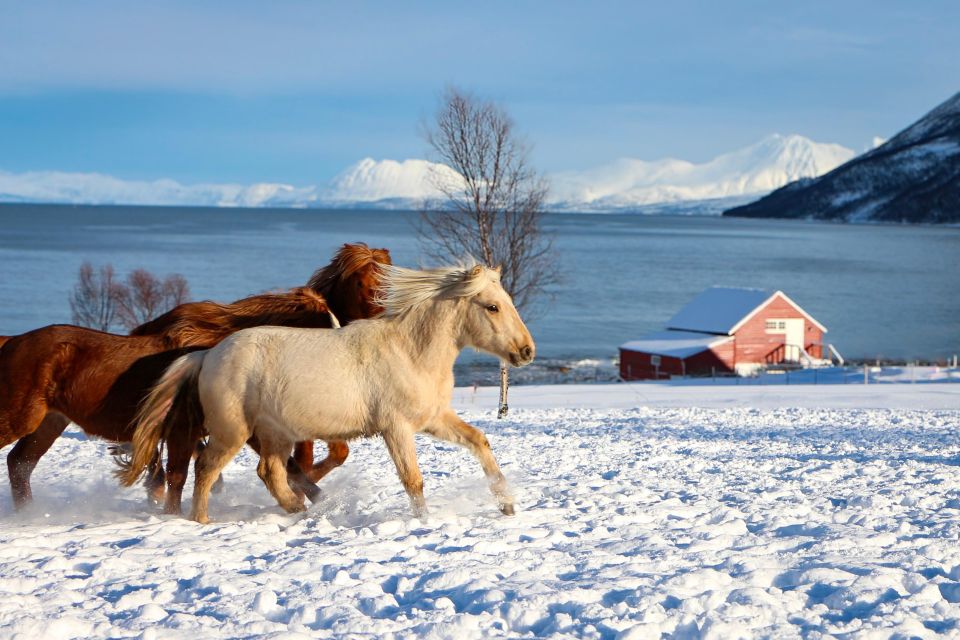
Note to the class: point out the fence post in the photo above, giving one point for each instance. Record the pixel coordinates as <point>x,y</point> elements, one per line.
<point>864,373</point>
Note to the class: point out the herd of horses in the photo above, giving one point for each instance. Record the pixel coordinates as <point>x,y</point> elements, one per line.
<point>275,371</point>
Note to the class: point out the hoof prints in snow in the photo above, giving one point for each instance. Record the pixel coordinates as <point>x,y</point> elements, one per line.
<point>633,523</point>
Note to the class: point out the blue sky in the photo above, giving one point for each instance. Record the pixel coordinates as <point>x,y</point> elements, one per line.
<point>296,91</point>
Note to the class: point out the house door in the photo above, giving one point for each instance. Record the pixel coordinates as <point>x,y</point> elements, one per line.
<point>793,339</point>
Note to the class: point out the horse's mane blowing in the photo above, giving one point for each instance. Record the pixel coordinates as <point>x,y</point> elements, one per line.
<point>348,260</point>
<point>206,323</point>
<point>403,289</point>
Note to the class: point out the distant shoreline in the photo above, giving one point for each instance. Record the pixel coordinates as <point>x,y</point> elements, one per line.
<point>653,211</point>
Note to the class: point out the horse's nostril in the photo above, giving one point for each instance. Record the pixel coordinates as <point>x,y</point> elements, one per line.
<point>526,352</point>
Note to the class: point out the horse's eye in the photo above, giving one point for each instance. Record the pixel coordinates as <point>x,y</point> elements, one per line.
<point>492,308</point>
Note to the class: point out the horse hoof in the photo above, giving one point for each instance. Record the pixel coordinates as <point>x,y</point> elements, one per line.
<point>295,508</point>
<point>312,492</point>
<point>507,509</point>
<point>421,514</point>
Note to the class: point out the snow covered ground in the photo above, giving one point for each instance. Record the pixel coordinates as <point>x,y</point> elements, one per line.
<point>643,510</point>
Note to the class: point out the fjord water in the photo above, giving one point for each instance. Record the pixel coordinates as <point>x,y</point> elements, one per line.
<point>883,291</point>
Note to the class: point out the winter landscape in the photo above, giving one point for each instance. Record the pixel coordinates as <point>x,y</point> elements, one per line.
<point>730,235</point>
<point>643,510</point>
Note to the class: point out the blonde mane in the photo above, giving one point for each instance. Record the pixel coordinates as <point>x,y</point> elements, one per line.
<point>403,288</point>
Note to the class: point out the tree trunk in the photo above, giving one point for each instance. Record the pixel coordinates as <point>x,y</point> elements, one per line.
<point>504,385</point>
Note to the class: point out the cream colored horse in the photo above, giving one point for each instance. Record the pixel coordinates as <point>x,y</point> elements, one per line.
<point>390,376</point>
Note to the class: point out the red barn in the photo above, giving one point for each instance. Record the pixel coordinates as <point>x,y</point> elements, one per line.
<point>726,330</point>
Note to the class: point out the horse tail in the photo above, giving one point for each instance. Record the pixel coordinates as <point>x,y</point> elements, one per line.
<point>176,391</point>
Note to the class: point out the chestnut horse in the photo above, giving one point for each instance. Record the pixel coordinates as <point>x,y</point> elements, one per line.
<point>62,373</point>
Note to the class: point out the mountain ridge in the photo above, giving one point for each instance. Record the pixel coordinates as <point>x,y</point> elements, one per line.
<point>912,177</point>
<point>622,185</point>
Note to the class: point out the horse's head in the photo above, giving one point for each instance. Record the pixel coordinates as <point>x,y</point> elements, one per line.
<point>351,282</point>
<point>492,323</point>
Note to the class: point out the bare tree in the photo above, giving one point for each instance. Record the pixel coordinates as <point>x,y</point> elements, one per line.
<point>493,201</point>
<point>100,301</point>
<point>145,296</point>
<point>93,300</point>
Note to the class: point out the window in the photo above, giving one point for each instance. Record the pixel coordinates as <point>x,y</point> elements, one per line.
<point>655,361</point>
<point>776,326</point>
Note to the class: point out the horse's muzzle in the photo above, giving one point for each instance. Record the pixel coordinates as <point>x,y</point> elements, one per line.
<point>522,357</point>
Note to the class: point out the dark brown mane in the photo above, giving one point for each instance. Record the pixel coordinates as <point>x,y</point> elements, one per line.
<point>204,324</point>
<point>349,259</point>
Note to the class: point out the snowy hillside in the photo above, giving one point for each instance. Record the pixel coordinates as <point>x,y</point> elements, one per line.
<point>912,177</point>
<point>643,510</point>
<point>663,186</point>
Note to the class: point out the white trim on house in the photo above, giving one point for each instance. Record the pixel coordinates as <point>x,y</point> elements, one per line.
<point>787,299</point>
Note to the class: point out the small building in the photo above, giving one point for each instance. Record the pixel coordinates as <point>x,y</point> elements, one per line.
<point>727,330</point>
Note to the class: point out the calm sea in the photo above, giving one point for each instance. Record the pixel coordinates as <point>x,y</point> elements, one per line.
<point>882,291</point>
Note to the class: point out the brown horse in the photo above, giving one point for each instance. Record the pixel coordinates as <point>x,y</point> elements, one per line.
<point>62,373</point>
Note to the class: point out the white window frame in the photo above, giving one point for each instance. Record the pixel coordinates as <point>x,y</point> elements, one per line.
<point>779,325</point>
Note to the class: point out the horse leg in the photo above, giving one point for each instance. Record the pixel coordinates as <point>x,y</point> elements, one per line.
<point>154,480</point>
<point>272,469</point>
<point>218,485</point>
<point>452,429</point>
<point>337,452</point>
<point>180,448</point>
<point>400,445</point>
<point>23,458</point>
<point>299,482</point>
<point>220,450</point>
<point>303,454</point>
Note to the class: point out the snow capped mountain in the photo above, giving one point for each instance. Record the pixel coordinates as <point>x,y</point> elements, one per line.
<point>762,167</point>
<point>624,184</point>
<point>375,180</point>
<point>913,177</point>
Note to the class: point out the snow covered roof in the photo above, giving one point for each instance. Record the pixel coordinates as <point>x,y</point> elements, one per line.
<point>722,310</point>
<point>718,309</point>
<point>676,344</point>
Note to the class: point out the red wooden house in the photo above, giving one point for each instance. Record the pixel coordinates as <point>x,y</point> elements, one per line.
<point>726,330</point>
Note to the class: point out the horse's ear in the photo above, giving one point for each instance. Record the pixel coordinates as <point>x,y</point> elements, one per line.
<point>476,271</point>
<point>499,269</point>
